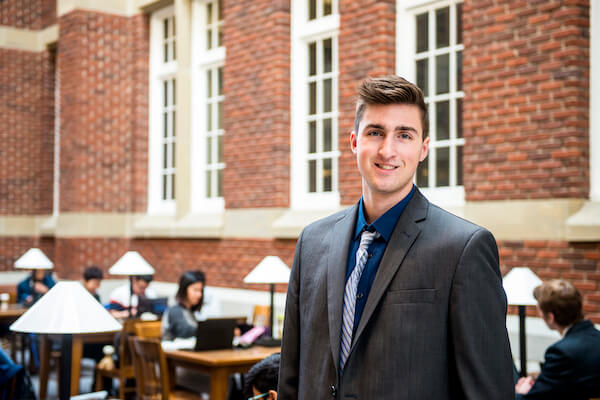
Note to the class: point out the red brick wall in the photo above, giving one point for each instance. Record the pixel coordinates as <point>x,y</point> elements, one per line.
<point>12,248</point>
<point>578,263</point>
<point>367,47</point>
<point>526,83</point>
<point>225,262</point>
<point>28,14</point>
<point>26,132</point>
<point>103,81</point>
<point>257,103</point>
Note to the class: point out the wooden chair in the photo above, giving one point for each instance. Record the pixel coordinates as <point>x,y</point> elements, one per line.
<point>151,370</point>
<point>125,369</point>
<point>148,329</point>
<point>261,316</point>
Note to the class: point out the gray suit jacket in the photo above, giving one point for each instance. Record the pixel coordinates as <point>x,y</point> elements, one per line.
<point>433,326</point>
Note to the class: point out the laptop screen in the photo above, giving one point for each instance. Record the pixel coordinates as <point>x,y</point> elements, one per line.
<point>155,306</point>
<point>215,334</point>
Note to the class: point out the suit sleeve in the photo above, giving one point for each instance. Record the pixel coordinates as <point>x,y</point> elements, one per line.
<point>481,351</point>
<point>290,346</point>
<point>555,373</point>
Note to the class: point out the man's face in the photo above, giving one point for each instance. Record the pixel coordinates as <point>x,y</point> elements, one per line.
<point>389,146</point>
<point>139,286</point>
<point>92,285</point>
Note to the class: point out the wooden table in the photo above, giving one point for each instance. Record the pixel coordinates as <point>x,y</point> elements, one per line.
<point>219,364</point>
<point>10,315</point>
<point>76,354</point>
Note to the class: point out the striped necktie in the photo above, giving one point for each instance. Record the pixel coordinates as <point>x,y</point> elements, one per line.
<point>350,295</point>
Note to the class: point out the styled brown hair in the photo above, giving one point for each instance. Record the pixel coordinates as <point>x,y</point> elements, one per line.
<point>391,89</point>
<point>560,298</point>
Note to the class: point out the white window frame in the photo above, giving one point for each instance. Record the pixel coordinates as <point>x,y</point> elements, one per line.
<point>202,61</point>
<point>452,195</point>
<point>159,72</point>
<point>303,32</point>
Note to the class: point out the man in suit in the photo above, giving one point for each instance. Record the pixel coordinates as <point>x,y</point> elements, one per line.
<point>572,365</point>
<point>394,298</point>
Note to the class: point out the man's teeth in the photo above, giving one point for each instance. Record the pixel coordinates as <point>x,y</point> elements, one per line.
<point>386,166</point>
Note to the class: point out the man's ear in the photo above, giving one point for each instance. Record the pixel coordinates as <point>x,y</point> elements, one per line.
<point>353,141</point>
<point>424,149</point>
<point>273,394</point>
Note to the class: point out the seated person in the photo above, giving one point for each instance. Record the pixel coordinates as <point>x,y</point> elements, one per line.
<point>92,277</point>
<point>262,379</point>
<point>179,321</point>
<point>121,297</point>
<point>34,286</point>
<point>572,365</point>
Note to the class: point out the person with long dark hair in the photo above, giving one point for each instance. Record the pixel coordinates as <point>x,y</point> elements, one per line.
<point>179,321</point>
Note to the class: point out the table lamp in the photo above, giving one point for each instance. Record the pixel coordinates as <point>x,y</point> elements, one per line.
<point>65,310</point>
<point>33,259</point>
<point>518,285</point>
<point>270,270</point>
<point>131,264</point>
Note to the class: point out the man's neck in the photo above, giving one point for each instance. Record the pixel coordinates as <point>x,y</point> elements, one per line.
<point>376,205</point>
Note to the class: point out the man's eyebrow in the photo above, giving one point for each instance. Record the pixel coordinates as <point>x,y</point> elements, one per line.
<point>376,126</point>
<point>405,128</point>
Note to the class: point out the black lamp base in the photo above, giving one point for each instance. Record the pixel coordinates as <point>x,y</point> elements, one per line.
<point>268,341</point>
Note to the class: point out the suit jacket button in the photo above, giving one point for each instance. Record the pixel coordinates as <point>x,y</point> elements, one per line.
<point>333,390</point>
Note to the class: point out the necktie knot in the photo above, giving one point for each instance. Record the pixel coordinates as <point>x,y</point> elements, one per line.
<point>366,238</point>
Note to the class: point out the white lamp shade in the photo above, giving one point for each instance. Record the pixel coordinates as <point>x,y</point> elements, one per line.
<point>66,308</point>
<point>132,263</point>
<point>270,270</point>
<point>519,284</point>
<point>34,259</point>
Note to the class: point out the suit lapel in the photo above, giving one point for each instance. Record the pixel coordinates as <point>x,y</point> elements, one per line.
<point>337,260</point>
<point>403,236</point>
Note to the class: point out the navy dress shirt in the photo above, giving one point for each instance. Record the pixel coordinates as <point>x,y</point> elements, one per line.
<point>385,225</point>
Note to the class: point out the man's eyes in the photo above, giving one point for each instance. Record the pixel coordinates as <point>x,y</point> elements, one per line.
<point>374,133</point>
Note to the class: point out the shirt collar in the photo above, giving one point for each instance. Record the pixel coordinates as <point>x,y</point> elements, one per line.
<point>384,224</point>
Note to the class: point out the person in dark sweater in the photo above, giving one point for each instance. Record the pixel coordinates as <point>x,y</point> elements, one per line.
<point>92,277</point>
<point>179,321</point>
<point>571,369</point>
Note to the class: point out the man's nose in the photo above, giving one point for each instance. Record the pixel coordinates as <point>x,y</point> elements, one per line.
<point>386,146</point>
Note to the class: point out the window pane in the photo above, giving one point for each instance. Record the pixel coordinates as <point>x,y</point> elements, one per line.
<point>220,8</point>
<point>209,117</point>
<point>442,69</point>
<point>220,115</point>
<point>165,28</point>
<point>219,37</point>
<point>164,187</point>
<point>459,118</point>
<point>442,120</point>
<point>209,13</point>
<point>312,58</point>
<point>423,174</point>
<point>312,176</point>
<point>220,148</point>
<point>173,119</point>
<point>312,9</point>
<point>209,39</point>
<point>442,27</point>
<point>165,153</point>
<point>442,170</point>
<point>327,174</point>
<point>312,98</point>
<point>220,77</point>
<point>459,23</point>
<point>209,83</point>
<point>209,150</point>
<point>174,50</point>
<point>327,55</point>
<point>422,32</point>
<point>327,134</point>
<point>423,75</point>
<point>326,7</point>
<point>165,124</point>
<point>459,70</point>
<point>327,106</point>
<point>208,184</point>
<point>172,179</point>
<point>172,145</point>
<point>220,183</point>
<point>312,137</point>
<point>173,96</point>
<point>459,165</point>
<point>166,52</point>
<point>165,93</point>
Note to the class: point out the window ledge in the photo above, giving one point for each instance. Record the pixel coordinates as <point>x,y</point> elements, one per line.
<point>188,226</point>
<point>291,222</point>
<point>584,225</point>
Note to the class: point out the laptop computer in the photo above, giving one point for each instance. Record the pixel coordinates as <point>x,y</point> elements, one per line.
<point>215,334</point>
<point>155,306</point>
